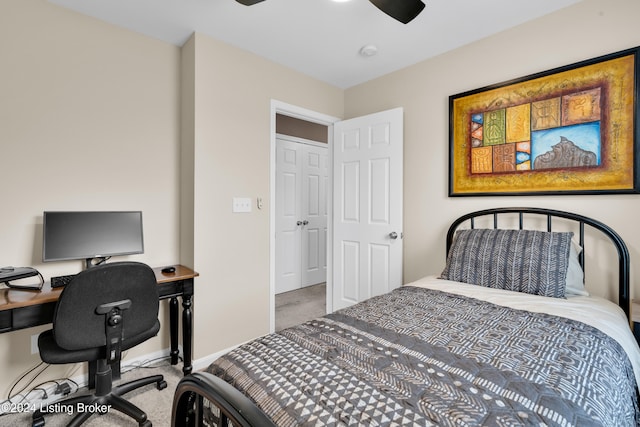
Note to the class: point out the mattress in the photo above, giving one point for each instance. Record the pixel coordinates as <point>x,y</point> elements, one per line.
<point>436,352</point>
<point>595,311</point>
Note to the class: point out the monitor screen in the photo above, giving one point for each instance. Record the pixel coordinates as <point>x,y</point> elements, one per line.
<point>88,235</point>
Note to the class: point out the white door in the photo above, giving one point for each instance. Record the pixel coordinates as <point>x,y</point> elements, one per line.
<point>367,206</point>
<point>300,214</point>
<point>314,174</point>
<point>288,206</point>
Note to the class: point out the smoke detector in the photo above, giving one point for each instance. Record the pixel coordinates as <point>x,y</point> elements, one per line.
<point>368,50</point>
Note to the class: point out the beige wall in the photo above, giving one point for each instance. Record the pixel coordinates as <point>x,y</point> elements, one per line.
<point>89,120</point>
<point>586,30</point>
<point>231,140</point>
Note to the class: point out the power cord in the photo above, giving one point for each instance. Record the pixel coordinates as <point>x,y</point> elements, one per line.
<point>145,364</point>
<point>44,392</point>
<point>9,396</point>
<point>63,387</point>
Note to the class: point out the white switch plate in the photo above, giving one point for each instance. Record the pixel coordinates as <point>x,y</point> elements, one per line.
<point>241,204</point>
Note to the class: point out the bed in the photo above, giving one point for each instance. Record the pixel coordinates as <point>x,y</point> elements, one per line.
<point>506,334</point>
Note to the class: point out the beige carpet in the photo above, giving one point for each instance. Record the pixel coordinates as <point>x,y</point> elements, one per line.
<point>298,306</point>
<point>156,403</point>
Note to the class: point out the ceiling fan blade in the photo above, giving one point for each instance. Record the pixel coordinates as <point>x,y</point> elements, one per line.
<point>401,10</point>
<point>249,2</point>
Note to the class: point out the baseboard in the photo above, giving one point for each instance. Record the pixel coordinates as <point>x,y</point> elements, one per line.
<point>128,364</point>
<point>203,362</point>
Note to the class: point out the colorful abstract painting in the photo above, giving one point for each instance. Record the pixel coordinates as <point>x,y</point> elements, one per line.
<point>569,129</point>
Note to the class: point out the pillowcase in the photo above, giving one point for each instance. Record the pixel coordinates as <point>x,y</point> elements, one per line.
<point>529,261</point>
<point>575,274</point>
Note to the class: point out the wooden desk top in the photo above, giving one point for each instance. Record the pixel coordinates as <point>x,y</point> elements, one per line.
<point>15,298</point>
<point>181,273</point>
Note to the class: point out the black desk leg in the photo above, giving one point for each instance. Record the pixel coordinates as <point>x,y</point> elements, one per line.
<point>173,330</point>
<point>187,331</point>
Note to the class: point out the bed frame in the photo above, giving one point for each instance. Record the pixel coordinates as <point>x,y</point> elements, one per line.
<point>202,399</point>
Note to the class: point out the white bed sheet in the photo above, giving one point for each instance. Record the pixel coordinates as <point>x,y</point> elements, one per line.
<point>595,311</point>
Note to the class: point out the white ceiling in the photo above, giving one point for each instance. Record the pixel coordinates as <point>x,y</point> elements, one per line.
<point>322,38</point>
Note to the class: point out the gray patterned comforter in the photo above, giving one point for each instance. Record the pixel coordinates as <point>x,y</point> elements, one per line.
<point>424,357</point>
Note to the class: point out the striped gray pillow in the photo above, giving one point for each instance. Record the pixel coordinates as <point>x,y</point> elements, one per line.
<point>529,261</point>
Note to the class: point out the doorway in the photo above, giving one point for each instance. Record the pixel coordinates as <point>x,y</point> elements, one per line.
<point>301,212</point>
<point>320,126</point>
<point>364,240</point>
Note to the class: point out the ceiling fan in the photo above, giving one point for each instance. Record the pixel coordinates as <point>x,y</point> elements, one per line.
<point>401,10</point>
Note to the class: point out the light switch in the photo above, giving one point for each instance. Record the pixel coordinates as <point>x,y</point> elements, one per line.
<point>241,204</point>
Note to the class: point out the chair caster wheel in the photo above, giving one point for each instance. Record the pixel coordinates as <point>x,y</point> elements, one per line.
<point>162,385</point>
<point>38,421</point>
<point>146,423</point>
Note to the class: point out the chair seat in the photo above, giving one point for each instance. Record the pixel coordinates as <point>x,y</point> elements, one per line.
<point>51,353</point>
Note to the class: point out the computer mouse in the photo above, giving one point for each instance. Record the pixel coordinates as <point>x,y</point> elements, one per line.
<point>170,269</point>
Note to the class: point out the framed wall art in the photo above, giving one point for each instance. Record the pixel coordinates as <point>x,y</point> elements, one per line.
<point>570,130</point>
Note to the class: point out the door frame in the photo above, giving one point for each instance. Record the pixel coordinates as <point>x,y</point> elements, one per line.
<point>279,107</point>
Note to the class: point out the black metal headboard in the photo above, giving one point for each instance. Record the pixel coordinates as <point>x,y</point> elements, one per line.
<point>618,243</point>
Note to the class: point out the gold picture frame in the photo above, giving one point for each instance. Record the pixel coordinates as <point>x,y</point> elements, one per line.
<point>570,130</point>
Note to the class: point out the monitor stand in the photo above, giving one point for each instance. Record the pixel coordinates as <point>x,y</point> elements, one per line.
<point>95,261</point>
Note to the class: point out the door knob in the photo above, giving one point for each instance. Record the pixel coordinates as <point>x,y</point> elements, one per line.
<point>393,235</point>
<point>305,222</point>
<point>299,223</point>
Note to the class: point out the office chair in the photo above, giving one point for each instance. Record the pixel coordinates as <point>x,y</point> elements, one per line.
<point>101,312</point>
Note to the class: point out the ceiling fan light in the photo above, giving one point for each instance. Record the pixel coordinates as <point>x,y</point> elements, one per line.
<point>401,10</point>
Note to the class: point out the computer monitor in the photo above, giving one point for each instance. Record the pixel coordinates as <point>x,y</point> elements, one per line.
<point>91,235</point>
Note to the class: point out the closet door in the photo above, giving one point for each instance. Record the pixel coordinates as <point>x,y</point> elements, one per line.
<point>314,214</point>
<point>301,214</point>
<point>288,213</point>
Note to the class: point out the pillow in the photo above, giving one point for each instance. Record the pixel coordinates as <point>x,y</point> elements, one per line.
<point>530,261</point>
<point>575,274</point>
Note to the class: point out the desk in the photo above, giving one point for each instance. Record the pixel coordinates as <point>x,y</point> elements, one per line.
<point>20,309</point>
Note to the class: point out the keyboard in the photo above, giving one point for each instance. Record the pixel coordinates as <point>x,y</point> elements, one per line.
<point>59,281</point>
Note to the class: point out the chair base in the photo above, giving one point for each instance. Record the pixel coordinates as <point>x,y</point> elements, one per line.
<point>93,404</point>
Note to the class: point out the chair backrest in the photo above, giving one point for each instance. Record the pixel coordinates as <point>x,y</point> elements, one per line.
<point>77,326</point>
